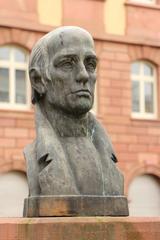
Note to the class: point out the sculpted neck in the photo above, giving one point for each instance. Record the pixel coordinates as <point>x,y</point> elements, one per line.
<point>66,125</point>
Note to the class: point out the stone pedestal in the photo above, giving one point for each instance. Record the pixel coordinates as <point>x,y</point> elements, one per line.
<point>50,206</point>
<point>80,228</point>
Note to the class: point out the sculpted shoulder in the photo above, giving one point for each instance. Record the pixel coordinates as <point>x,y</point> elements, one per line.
<point>100,138</point>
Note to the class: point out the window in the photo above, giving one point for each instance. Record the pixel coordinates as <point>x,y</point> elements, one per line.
<point>94,108</point>
<point>144,196</point>
<point>144,99</point>
<point>14,83</point>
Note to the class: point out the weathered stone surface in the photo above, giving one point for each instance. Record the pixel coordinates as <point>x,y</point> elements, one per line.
<point>44,206</point>
<point>80,228</point>
<point>72,155</point>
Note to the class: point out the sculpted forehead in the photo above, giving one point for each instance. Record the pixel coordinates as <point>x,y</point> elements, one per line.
<point>69,38</point>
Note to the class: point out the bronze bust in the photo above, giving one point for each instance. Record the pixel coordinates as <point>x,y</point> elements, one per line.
<point>71,166</point>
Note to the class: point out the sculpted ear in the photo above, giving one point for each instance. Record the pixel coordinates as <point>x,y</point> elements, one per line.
<point>37,83</point>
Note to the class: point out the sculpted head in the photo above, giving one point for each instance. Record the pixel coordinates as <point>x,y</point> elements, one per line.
<point>63,70</point>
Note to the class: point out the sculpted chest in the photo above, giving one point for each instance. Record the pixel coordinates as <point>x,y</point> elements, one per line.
<point>81,165</point>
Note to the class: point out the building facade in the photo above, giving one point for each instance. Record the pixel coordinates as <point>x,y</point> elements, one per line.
<point>127,38</point>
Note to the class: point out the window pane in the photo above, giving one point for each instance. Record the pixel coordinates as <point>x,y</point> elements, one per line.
<point>19,56</point>
<point>135,97</point>
<point>148,70</point>
<point>20,86</point>
<point>135,68</point>
<point>4,53</point>
<point>149,97</point>
<point>4,85</point>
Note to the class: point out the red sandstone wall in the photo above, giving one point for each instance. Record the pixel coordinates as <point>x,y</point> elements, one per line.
<point>89,14</point>
<point>16,131</point>
<point>80,228</point>
<point>16,127</point>
<point>136,141</point>
<point>143,20</point>
<point>18,12</point>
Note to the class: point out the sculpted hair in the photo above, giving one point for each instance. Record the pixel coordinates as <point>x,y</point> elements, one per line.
<point>39,60</point>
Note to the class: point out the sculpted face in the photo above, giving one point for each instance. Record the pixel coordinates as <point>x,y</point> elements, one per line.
<point>72,71</point>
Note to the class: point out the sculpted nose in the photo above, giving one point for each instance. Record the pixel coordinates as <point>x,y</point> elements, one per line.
<point>82,75</point>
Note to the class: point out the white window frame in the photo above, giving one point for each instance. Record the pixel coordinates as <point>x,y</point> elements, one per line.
<point>144,1</point>
<point>94,108</point>
<point>142,79</point>
<point>12,66</point>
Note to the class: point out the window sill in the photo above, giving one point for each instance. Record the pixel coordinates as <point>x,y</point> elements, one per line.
<point>153,6</point>
<point>11,108</point>
<point>144,117</point>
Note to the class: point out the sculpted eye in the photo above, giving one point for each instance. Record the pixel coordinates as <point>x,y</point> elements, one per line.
<point>90,64</point>
<point>66,64</point>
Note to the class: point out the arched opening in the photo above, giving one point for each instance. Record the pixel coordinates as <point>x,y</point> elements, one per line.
<point>13,190</point>
<point>144,196</point>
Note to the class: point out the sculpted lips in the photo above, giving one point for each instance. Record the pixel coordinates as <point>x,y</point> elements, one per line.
<point>82,93</point>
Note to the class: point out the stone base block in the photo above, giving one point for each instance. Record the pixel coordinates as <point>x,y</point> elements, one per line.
<point>49,206</point>
<point>80,228</point>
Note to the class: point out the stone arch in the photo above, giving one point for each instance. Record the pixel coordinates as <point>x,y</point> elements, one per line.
<point>140,170</point>
<point>144,53</point>
<point>13,166</point>
<point>20,37</point>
